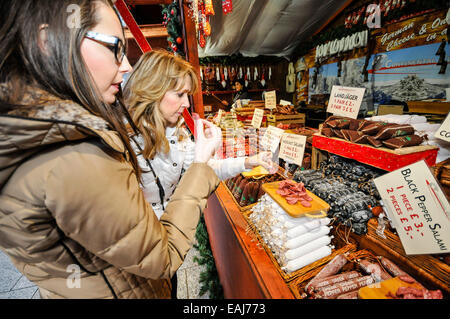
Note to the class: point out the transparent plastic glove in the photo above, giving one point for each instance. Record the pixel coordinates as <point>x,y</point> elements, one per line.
<point>264,159</point>
<point>207,140</point>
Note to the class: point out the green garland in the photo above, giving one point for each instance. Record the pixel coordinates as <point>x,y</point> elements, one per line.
<point>172,23</point>
<point>209,278</point>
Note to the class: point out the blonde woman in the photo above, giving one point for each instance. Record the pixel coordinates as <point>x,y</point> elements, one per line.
<point>156,94</point>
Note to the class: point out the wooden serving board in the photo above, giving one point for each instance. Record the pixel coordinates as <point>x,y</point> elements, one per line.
<point>318,206</point>
<point>382,289</point>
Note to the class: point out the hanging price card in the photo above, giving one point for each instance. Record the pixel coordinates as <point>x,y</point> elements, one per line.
<point>257,118</point>
<point>418,208</point>
<point>345,101</point>
<point>271,138</point>
<point>292,148</point>
<point>270,99</point>
<point>444,131</point>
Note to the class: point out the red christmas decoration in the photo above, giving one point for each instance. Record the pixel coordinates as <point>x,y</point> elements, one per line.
<point>179,40</point>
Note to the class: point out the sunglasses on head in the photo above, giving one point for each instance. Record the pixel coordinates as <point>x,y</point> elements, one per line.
<point>111,42</point>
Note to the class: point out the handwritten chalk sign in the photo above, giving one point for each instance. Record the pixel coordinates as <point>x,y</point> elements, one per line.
<point>292,148</point>
<point>418,209</point>
<point>257,118</point>
<point>271,138</point>
<point>270,99</point>
<point>444,131</point>
<point>345,101</point>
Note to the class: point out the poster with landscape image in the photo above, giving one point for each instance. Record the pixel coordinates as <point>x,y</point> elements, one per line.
<point>404,75</point>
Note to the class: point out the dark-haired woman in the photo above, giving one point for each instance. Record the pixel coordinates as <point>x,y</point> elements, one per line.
<point>73,218</point>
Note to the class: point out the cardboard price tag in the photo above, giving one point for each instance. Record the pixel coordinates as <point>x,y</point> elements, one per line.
<point>292,148</point>
<point>444,131</point>
<point>257,118</point>
<point>271,138</point>
<point>418,208</point>
<point>345,101</point>
<point>270,99</point>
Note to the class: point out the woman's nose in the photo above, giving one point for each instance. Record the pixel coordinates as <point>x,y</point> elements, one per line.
<point>125,66</point>
<point>185,102</point>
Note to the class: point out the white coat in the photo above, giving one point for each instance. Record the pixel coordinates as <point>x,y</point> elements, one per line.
<point>171,166</point>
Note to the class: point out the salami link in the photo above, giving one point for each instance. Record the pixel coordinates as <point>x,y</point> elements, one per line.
<point>392,268</point>
<point>254,192</point>
<point>331,280</point>
<point>260,191</point>
<point>236,184</point>
<point>331,292</point>
<point>238,191</point>
<point>245,195</point>
<point>329,269</point>
<point>373,269</point>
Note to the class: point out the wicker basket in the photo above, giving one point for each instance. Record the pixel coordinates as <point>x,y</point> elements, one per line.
<point>296,278</point>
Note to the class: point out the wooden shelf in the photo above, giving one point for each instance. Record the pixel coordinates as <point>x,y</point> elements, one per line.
<point>149,31</point>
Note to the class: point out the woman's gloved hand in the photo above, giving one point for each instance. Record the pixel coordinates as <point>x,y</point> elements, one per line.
<point>264,159</point>
<point>208,139</point>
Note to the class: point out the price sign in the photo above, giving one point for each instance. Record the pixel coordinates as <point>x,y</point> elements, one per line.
<point>444,131</point>
<point>271,138</point>
<point>345,101</point>
<point>257,118</point>
<point>283,102</point>
<point>270,99</point>
<point>292,148</point>
<point>418,208</point>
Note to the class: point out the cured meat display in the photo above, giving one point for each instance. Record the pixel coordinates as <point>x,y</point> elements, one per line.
<point>346,277</point>
<point>294,192</point>
<point>246,190</point>
<point>347,205</point>
<point>372,133</point>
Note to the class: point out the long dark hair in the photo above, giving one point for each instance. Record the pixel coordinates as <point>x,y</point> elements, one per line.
<point>61,70</point>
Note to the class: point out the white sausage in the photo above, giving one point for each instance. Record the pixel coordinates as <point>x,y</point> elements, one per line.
<point>306,238</point>
<point>307,259</point>
<point>307,248</point>
<point>307,227</point>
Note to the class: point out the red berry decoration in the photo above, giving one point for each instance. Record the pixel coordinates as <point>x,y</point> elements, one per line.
<point>179,40</point>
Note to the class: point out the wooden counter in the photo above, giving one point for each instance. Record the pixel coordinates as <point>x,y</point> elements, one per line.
<point>245,270</point>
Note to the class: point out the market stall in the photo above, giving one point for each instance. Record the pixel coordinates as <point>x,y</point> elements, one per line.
<point>335,221</point>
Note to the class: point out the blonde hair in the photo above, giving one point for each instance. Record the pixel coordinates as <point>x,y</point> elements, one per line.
<point>154,74</point>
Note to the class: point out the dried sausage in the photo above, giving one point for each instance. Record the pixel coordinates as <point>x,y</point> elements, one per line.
<point>373,269</point>
<point>331,280</point>
<point>331,292</point>
<point>245,194</point>
<point>329,269</point>
<point>393,269</point>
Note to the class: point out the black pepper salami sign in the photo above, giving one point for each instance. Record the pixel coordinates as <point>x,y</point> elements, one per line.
<point>418,208</point>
